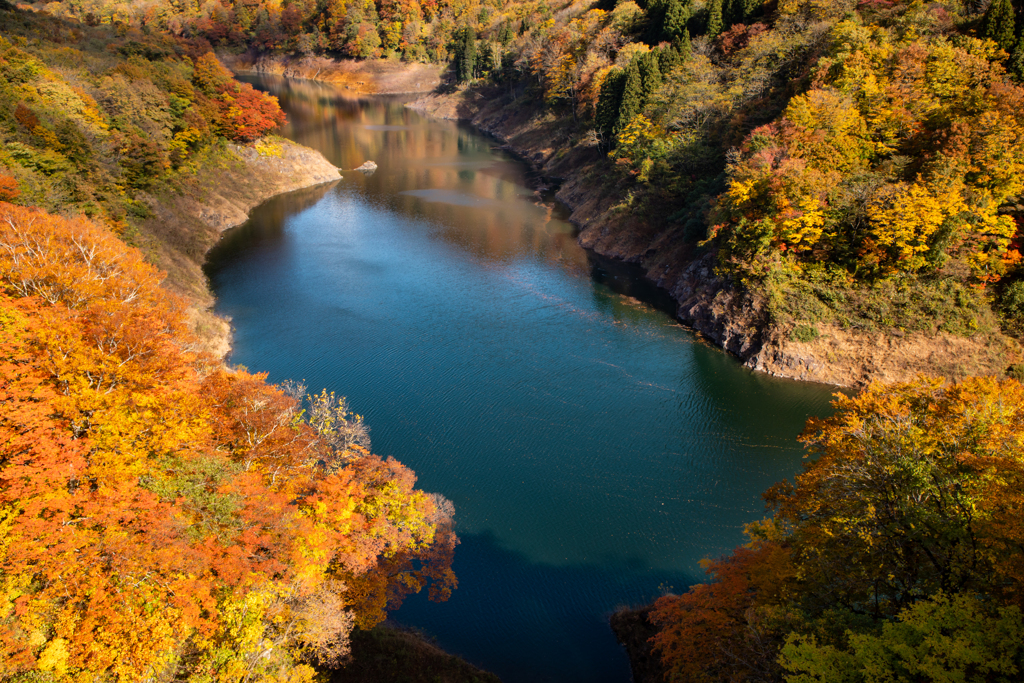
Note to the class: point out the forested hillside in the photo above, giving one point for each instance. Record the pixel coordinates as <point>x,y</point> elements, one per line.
<point>853,165</point>
<point>91,121</point>
<point>162,516</point>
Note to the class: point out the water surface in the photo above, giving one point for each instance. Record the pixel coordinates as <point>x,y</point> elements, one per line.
<point>595,450</point>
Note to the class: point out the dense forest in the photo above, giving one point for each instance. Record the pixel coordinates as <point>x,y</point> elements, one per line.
<point>853,163</point>
<point>167,517</point>
<point>163,516</point>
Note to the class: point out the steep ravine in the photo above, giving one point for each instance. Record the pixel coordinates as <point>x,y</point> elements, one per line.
<point>736,320</point>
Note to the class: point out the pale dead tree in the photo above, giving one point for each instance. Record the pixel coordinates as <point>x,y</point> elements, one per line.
<point>293,389</point>
<point>444,510</point>
<point>338,429</point>
<point>323,624</point>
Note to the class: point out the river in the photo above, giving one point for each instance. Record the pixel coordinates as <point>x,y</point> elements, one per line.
<point>595,450</point>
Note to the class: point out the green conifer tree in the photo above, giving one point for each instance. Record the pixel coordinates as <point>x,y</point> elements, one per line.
<point>654,13</point>
<point>632,95</point>
<point>506,35</point>
<point>714,26</point>
<point>1016,65</point>
<point>676,15</point>
<point>668,60</point>
<point>650,75</point>
<point>683,47</point>
<point>999,24</point>
<point>465,56</point>
<point>608,102</point>
<point>732,12</point>
<point>750,9</point>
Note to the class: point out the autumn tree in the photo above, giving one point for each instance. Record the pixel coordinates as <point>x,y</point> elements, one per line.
<point>163,516</point>
<point>732,627</point>
<point>904,497</point>
<point>943,638</point>
<point>896,555</point>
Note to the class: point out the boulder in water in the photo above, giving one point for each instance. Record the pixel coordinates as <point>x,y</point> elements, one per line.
<point>367,167</point>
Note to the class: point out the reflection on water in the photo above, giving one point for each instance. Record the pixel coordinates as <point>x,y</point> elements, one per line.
<point>435,171</point>
<point>594,449</point>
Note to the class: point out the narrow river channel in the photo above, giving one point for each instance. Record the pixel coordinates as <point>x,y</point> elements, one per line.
<point>594,449</point>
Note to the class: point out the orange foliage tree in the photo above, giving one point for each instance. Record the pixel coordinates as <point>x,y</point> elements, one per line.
<point>161,515</point>
<point>910,511</point>
<point>731,628</point>
<point>243,113</point>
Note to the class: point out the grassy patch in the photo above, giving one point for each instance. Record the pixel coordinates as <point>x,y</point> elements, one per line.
<point>805,333</point>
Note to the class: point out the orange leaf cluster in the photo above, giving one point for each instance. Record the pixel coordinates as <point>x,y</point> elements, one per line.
<point>161,514</point>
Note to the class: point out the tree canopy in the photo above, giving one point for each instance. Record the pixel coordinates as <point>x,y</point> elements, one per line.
<point>896,555</point>
<point>162,516</point>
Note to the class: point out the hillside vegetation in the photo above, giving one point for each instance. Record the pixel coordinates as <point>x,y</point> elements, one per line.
<point>854,165</point>
<point>896,556</point>
<point>164,517</point>
<point>92,122</point>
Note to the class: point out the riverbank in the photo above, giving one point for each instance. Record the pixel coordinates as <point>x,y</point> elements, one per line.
<point>187,216</point>
<point>738,320</point>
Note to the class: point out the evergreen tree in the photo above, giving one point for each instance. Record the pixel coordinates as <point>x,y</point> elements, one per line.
<point>465,55</point>
<point>632,95</point>
<point>608,102</point>
<point>650,75</point>
<point>668,60</point>
<point>714,26</point>
<point>732,12</point>
<point>676,15</point>
<point>750,9</point>
<point>506,34</point>
<point>1016,65</point>
<point>489,59</point>
<point>683,47</point>
<point>655,14</point>
<point>999,24</point>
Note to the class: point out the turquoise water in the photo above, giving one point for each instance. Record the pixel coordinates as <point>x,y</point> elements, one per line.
<point>595,450</point>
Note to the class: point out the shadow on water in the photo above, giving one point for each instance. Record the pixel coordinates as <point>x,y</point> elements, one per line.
<point>265,226</point>
<point>629,279</point>
<point>532,621</point>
